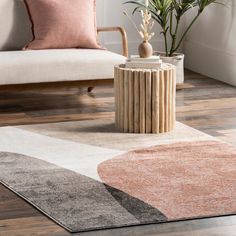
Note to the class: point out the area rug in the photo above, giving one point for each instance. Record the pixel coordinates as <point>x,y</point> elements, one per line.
<point>86,176</point>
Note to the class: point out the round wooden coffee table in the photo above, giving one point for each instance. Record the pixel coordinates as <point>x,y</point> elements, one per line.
<point>145,99</point>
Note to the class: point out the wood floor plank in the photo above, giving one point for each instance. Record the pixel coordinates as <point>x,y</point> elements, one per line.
<point>29,226</point>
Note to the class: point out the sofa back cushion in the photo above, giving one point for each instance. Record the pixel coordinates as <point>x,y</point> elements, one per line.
<point>59,24</point>
<point>15,26</point>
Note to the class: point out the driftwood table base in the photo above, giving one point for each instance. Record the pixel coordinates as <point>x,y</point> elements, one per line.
<point>145,99</point>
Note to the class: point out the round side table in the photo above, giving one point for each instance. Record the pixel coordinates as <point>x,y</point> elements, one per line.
<point>145,99</point>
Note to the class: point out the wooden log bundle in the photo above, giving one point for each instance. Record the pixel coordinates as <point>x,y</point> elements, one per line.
<point>145,99</point>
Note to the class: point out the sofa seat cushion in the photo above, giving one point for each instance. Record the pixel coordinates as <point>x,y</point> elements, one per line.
<point>20,67</point>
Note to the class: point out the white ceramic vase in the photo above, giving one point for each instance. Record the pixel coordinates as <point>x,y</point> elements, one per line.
<point>177,60</point>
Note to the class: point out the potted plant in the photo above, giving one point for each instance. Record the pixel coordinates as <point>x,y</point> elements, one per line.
<point>169,14</point>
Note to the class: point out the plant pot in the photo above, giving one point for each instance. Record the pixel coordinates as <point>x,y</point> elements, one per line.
<point>178,61</point>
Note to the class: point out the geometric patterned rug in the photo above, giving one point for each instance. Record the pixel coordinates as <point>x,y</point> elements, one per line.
<point>86,176</point>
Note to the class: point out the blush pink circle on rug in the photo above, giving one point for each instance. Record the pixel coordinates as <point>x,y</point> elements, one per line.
<point>182,180</point>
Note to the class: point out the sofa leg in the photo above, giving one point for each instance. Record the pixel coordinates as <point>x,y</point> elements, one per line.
<point>90,89</point>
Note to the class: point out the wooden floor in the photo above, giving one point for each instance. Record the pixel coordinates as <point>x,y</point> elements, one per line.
<point>204,104</point>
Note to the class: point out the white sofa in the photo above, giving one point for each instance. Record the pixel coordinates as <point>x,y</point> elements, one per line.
<point>44,66</point>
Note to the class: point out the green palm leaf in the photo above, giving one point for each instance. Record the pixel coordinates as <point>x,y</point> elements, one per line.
<point>164,12</point>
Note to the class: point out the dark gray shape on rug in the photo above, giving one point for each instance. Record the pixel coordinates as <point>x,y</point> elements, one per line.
<point>139,209</point>
<point>74,201</point>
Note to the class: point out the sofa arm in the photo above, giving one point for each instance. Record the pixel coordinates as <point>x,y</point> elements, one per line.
<point>123,34</point>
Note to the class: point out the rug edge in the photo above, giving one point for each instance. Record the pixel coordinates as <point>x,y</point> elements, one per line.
<point>108,228</point>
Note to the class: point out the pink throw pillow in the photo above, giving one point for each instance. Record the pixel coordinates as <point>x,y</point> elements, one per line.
<point>62,24</point>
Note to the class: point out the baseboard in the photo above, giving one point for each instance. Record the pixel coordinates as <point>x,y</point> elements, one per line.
<point>209,61</point>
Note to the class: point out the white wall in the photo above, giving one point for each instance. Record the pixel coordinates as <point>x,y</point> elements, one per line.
<point>210,47</point>
<point>110,13</point>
